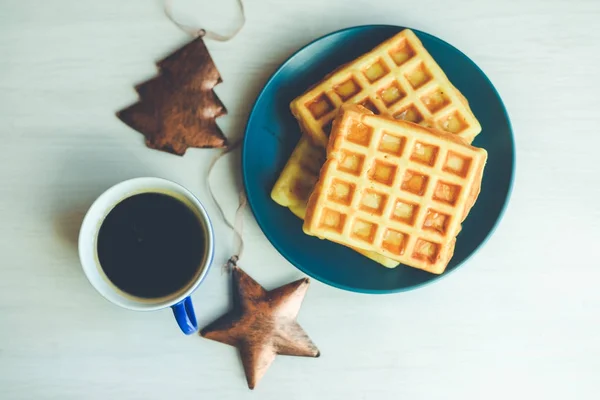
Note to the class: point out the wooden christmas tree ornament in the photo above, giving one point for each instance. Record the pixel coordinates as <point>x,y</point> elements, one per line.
<point>177,109</point>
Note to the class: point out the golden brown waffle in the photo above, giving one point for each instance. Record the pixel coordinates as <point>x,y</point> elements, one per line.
<point>296,183</point>
<point>300,174</point>
<point>398,78</point>
<point>394,188</point>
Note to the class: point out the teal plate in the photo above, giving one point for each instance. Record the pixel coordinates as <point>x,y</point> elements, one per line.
<point>272,132</point>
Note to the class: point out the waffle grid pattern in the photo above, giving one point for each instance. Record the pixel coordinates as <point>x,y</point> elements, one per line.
<point>396,189</point>
<point>298,177</point>
<point>296,183</point>
<point>398,78</point>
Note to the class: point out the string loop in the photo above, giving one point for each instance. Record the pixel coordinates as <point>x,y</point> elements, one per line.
<point>238,224</point>
<point>202,32</point>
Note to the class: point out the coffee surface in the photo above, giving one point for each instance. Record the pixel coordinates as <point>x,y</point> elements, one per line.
<point>151,245</point>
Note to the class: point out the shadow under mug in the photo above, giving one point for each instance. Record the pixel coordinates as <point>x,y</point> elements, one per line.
<point>179,301</point>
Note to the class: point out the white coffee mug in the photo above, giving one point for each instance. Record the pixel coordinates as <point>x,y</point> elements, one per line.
<point>179,301</point>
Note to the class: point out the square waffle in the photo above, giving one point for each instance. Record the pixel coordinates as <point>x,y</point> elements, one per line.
<point>296,183</point>
<point>298,178</point>
<point>394,188</point>
<point>397,78</point>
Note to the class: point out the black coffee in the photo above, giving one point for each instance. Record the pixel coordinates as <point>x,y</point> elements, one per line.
<point>151,245</point>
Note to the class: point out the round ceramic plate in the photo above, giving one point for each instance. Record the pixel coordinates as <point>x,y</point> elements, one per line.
<point>272,132</point>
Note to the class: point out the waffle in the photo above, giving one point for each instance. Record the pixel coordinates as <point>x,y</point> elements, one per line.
<point>298,178</point>
<point>397,78</point>
<point>395,188</point>
<point>296,183</point>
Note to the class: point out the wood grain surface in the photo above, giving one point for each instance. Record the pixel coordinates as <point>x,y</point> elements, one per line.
<point>520,320</point>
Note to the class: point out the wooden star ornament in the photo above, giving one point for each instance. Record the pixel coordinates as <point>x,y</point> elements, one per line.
<point>263,324</point>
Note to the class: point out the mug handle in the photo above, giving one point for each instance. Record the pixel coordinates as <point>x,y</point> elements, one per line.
<point>185,316</point>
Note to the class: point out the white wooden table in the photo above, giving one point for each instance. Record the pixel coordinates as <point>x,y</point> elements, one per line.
<point>520,320</point>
